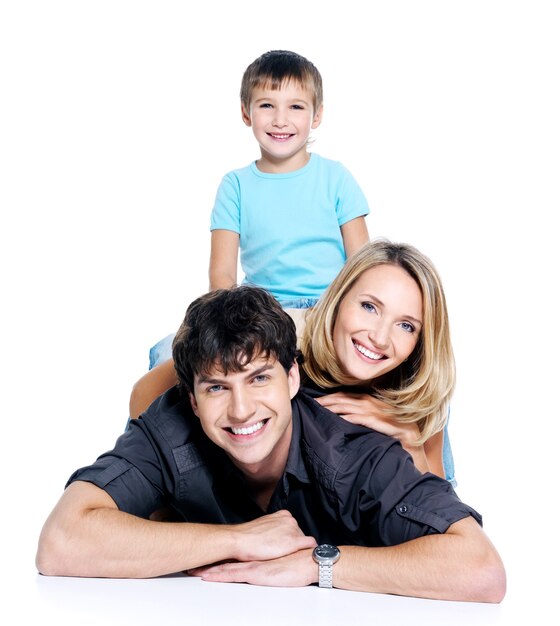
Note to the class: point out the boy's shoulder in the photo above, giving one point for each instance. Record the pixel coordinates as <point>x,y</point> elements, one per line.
<point>317,164</point>
<point>241,172</point>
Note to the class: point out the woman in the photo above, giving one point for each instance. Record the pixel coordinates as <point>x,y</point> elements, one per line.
<point>378,346</point>
<point>382,330</point>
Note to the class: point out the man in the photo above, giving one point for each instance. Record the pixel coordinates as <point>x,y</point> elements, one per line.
<point>258,475</point>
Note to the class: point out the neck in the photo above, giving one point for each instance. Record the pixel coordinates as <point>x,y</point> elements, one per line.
<point>270,165</point>
<point>262,477</point>
<point>262,493</point>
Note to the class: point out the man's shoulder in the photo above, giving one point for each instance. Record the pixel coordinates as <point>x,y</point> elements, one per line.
<point>336,443</point>
<point>171,418</point>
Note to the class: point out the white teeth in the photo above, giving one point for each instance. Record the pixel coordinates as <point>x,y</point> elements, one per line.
<point>368,353</point>
<point>247,431</point>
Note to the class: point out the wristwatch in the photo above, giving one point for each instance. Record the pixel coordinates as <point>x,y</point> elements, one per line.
<point>326,556</point>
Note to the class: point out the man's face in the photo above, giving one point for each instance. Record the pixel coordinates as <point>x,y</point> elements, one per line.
<point>248,413</point>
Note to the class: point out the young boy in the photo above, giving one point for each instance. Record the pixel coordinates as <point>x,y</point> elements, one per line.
<point>294,216</point>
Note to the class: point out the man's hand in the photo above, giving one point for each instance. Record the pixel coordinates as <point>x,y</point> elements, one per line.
<point>294,570</point>
<point>270,537</point>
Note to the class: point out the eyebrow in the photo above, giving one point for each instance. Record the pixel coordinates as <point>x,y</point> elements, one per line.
<point>219,381</point>
<point>378,301</point>
<point>290,102</point>
<point>271,97</point>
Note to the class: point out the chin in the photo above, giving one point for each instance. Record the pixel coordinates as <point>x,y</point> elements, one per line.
<point>367,373</point>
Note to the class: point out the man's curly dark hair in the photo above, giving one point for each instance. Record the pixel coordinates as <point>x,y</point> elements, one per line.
<point>227,329</point>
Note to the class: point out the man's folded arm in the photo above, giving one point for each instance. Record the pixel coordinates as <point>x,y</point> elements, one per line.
<point>460,564</point>
<point>87,535</point>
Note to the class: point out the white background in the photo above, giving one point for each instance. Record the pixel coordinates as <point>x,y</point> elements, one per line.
<point>119,118</point>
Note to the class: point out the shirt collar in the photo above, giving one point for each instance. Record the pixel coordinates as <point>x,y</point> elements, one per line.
<point>295,464</point>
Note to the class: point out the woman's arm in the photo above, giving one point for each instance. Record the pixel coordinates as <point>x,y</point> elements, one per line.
<point>354,235</point>
<point>224,248</point>
<point>368,411</point>
<point>150,386</point>
<point>434,453</point>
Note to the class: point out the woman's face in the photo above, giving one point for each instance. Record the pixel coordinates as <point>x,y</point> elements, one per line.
<point>378,322</point>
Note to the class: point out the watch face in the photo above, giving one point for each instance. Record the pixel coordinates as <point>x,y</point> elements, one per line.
<point>326,551</point>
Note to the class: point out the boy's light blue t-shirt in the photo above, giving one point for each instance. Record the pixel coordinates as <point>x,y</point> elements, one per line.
<point>289,224</point>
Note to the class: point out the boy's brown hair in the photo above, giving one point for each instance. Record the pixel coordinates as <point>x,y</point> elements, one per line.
<point>275,68</point>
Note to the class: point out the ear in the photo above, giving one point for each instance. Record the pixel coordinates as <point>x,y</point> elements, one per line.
<point>245,116</point>
<point>293,379</point>
<point>194,405</point>
<point>318,117</point>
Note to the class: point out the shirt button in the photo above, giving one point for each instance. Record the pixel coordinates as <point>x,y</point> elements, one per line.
<point>403,508</point>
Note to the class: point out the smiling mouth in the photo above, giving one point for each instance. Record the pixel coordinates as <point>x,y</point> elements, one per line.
<point>374,356</point>
<point>280,136</point>
<point>247,430</point>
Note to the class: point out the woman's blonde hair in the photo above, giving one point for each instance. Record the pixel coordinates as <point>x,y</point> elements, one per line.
<point>419,389</point>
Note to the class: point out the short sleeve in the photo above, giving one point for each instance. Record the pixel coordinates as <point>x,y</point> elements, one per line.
<point>226,213</point>
<point>395,503</point>
<point>351,201</point>
<point>130,473</point>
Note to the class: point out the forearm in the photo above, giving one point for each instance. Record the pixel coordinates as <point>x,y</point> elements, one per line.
<point>150,386</point>
<point>221,280</point>
<point>86,535</point>
<point>105,542</point>
<point>460,565</point>
<point>419,457</point>
<point>224,249</point>
<point>354,235</point>
<point>442,567</point>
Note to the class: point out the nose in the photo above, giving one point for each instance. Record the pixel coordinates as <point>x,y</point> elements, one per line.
<point>279,119</point>
<point>241,405</point>
<point>379,335</point>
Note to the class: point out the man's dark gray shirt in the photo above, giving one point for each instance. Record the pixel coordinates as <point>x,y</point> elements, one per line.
<point>344,484</point>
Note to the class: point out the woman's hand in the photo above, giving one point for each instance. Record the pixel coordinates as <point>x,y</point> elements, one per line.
<point>365,410</point>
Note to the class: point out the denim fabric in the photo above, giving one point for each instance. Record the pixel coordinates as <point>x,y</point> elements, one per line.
<point>161,351</point>
<point>298,303</point>
<point>448,464</point>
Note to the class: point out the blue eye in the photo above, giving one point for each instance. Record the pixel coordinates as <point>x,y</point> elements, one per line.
<point>409,328</point>
<point>261,378</point>
<point>214,388</point>
<point>265,105</point>
<point>298,107</point>
<point>369,307</point>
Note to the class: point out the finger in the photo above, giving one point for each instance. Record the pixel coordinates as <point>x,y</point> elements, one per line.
<point>342,409</point>
<point>197,571</point>
<point>235,573</point>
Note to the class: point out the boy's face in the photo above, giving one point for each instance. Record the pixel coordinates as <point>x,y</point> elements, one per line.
<point>248,413</point>
<point>282,120</point>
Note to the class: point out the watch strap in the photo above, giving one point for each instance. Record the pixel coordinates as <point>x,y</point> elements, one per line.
<point>325,574</point>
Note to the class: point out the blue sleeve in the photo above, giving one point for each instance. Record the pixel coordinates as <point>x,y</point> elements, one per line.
<point>226,213</point>
<point>351,201</point>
